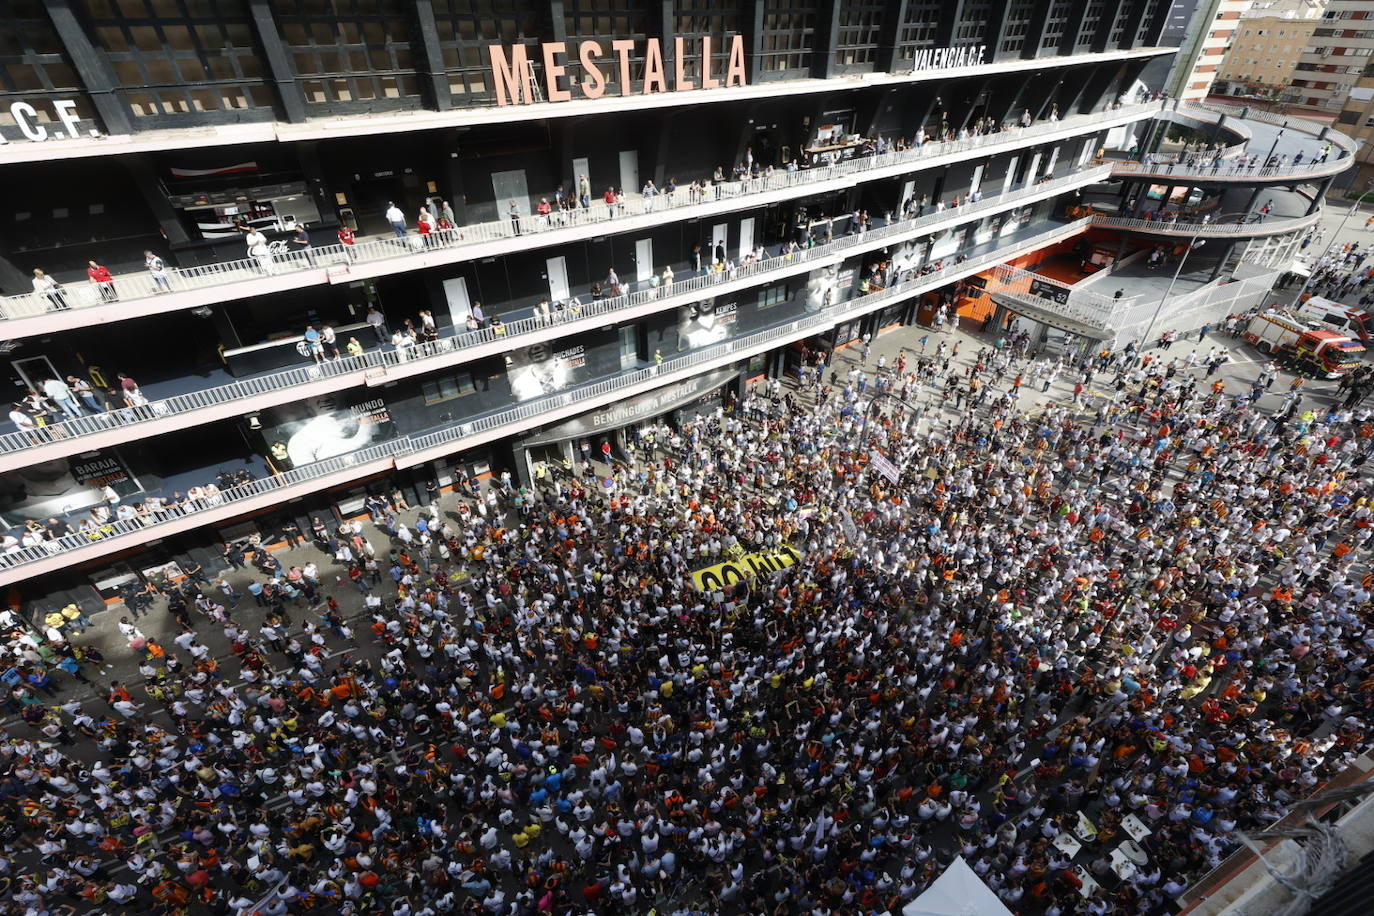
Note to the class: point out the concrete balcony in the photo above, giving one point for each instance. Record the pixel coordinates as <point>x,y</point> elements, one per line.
<point>81,304</point>
<point>1224,227</point>
<point>381,123</point>
<point>1225,173</point>
<point>380,367</point>
<point>1081,311</point>
<point>22,563</point>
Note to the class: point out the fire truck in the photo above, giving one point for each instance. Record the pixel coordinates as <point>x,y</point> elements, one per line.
<point>1322,352</point>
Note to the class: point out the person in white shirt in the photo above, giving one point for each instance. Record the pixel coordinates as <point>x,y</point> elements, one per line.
<point>57,391</point>
<point>396,218</point>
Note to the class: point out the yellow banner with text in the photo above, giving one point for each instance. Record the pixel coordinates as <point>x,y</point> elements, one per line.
<point>741,569</point>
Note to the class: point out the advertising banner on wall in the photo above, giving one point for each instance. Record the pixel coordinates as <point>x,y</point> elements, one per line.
<point>63,485</point>
<point>324,427</point>
<point>1049,291</point>
<point>538,370</point>
<point>704,323</point>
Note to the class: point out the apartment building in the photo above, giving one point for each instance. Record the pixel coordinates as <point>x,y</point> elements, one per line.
<point>1337,56</point>
<point>1211,26</point>
<point>1263,55</point>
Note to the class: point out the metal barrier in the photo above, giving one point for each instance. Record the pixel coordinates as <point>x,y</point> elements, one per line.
<point>1238,173</point>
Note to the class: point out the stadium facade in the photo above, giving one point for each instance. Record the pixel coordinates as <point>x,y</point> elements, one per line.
<point>635,210</point>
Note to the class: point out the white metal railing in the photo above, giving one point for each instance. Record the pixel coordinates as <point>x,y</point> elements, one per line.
<point>387,451</point>
<point>1267,117</point>
<point>1082,306</point>
<point>1239,173</point>
<point>513,332</point>
<point>1224,226</point>
<point>143,285</point>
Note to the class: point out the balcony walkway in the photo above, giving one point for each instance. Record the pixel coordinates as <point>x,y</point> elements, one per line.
<point>18,563</point>
<point>180,408</point>
<point>139,293</point>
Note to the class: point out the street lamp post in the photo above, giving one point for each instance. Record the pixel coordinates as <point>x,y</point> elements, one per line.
<point>1350,211</point>
<point>1145,338</point>
<point>1277,138</point>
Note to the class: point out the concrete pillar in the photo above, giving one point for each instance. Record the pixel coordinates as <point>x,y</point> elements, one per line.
<point>140,169</point>
<point>1221,262</point>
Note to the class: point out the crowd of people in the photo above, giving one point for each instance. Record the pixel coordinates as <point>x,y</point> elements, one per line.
<point>1141,601</point>
<point>1344,272</point>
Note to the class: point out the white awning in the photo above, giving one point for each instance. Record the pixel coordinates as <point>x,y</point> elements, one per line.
<point>958,892</point>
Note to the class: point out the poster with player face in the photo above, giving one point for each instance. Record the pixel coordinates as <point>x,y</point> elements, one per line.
<point>704,323</point>
<point>537,370</point>
<point>325,427</point>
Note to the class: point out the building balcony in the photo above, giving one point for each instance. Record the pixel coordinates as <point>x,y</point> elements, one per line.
<point>382,366</point>
<point>139,294</point>
<point>19,563</point>
<point>1228,173</point>
<point>1231,226</point>
<point>394,122</point>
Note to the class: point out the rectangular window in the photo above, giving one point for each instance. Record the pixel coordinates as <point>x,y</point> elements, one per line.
<point>358,53</point>
<point>695,19</point>
<point>772,295</point>
<point>33,64</point>
<point>856,44</point>
<point>446,388</point>
<point>789,28</point>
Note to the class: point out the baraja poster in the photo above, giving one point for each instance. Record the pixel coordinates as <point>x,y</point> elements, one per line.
<point>325,427</point>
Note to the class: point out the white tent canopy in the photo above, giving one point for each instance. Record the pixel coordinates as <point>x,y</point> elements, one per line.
<point>958,892</point>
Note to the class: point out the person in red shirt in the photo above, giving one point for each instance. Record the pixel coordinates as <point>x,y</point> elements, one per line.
<point>424,227</point>
<point>103,280</point>
<point>346,239</point>
<point>544,209</point>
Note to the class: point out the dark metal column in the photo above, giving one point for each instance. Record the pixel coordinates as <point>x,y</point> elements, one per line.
<point>1137,15</point>
<point>1092,88</point>
<point>995,32</point>
<point>1111,12</point>
<point>141,170</point>
<point>453,176</point>
<point>751,18</point>
<point>950,15</point>
<point>890,35</point>
<point>278,61</point>
<point>660,22</point>
<point>1036,32</point>
<point>1319,196</point>
<point>94,71</point>
<point>1221,262</point>
<point>429,56</point>
<point>1069,39</point>
<point>826,39</point>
